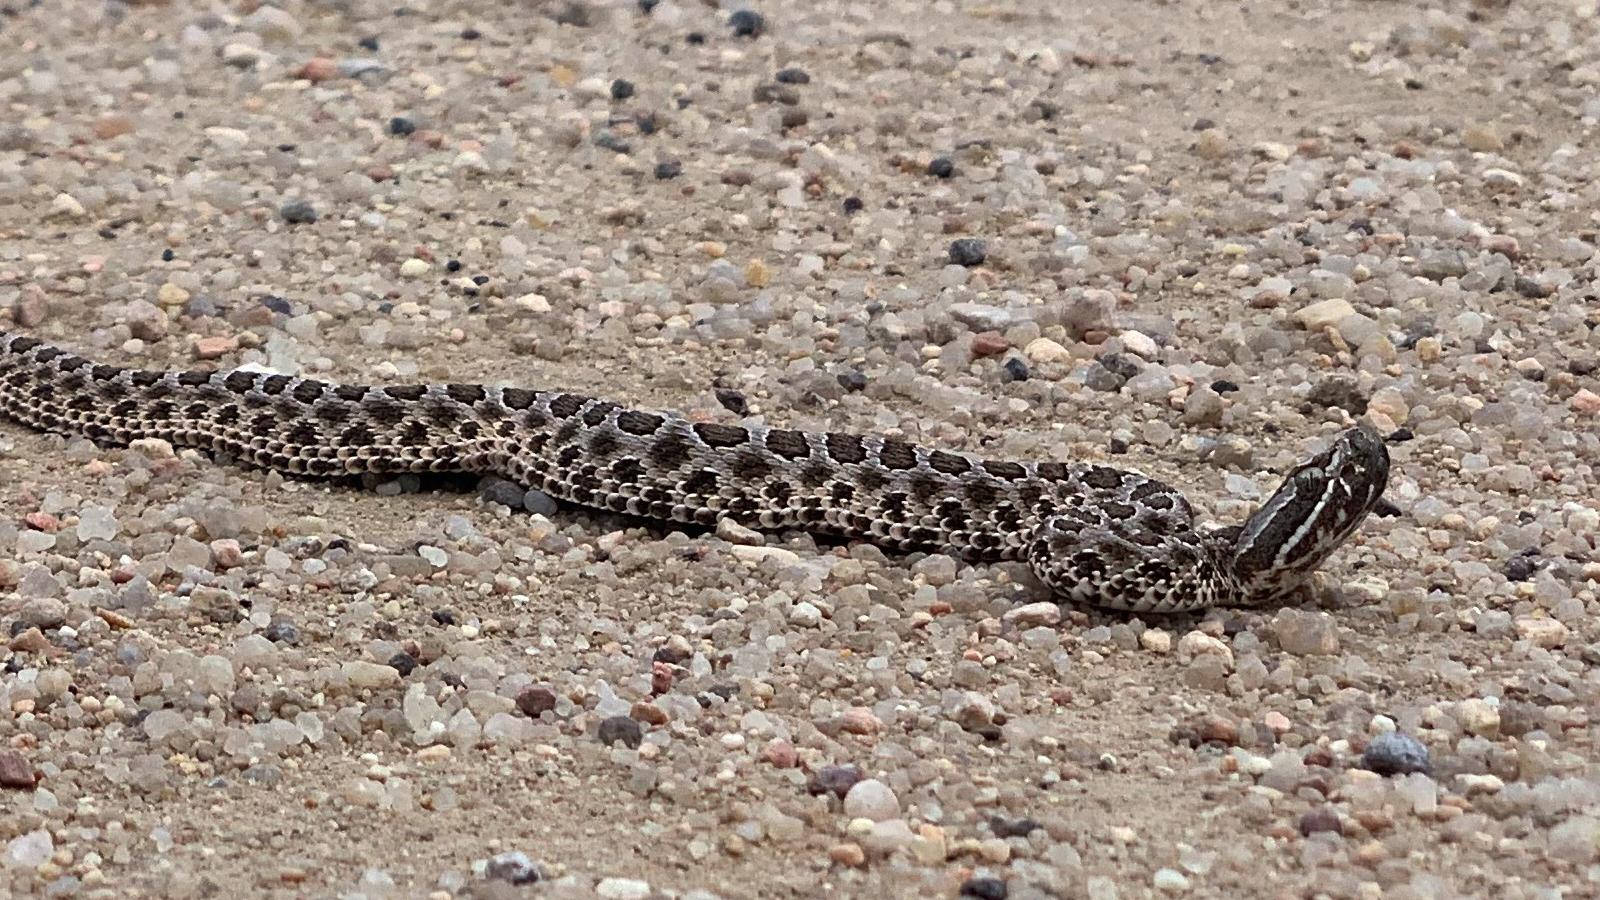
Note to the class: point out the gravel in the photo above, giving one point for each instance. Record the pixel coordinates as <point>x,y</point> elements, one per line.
<point>953,227</point>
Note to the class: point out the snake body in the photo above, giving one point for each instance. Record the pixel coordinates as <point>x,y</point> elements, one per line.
<point>1096,535</point>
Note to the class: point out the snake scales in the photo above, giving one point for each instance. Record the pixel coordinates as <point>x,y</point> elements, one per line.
<point>1096,535</point>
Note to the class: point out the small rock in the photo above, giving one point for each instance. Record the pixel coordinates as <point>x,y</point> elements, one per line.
<point>1541,632</point>
<point>1324,314</point>
<point>860,720</point>
<point>1155,640</point>
<point>871,799</point>
<point>621,729</point>
<point>1395,753</point>
<point>984,887</point>
<point>369,675</point>
<point>1031,615</point>
<point>1170,881</point>
<point>835,780</point>
<point>848,854</point>
<point>514,866</point>
<point>967,252</point>
<point>298,212</point>
<point>622,889</point>
<point>414,268</point>
<point>1305,633</point>
<point>16,771</point>
<point>1322,818</point>
<point>747,23</point>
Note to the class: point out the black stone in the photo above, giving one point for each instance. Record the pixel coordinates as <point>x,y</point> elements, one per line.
<point>1395,753</point>
<point>403,663</point>
<point>621,89</point>
<point>852,205</point>
<point>942,167</point>
<point>792,76</point>
<point>747,23</point>
<point>282,632</point>
<point>668,168</point>
<point>852,380</point>
<point>298,212</point>
<point>1015,368</point>
<point>967,252</point>
<point>400,126</point>
<point>733,401</point>
<point>985,888</point>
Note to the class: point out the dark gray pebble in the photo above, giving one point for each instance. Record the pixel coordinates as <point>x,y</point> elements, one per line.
<point>835,780</point>
<point>1395,753</point>
<point>747,23</point>
<point>501,491</point>
<point>968,252</point>
<point>985,888</point>
<point>298,212</point>
<point>539,502</point>
<point>623,730</point>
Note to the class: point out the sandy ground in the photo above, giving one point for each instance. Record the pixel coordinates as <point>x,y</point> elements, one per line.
<point>1213,235</point>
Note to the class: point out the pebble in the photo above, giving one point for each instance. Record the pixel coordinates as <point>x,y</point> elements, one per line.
<point>622,730</point>
<point>414,268</point>
<point>1170,881</point>
<point>984,887</point>
<point>967,252</point>
<point>1305,633</point>
<point>747,23</point>
<point>1395,753</point>
<point>871,799</point>
<point>1547,633</point>
<point>623,889</point>
<point>298,212</point>
<point>514,866</point>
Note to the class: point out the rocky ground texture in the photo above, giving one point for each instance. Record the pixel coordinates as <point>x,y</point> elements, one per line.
<point>1185,237</point>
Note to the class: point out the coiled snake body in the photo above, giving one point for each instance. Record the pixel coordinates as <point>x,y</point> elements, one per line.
<point>1095,534</point>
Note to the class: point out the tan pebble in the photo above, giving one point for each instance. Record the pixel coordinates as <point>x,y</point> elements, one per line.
<point>434,753</point>
<point>757,274</point>
<point>780,753</point>
<point>1374,820</point>
<point>113,125</point>
<point>1221,729</point>
<point>42,521</point>
<point>989,343</point>
<point>318,68</point>
<point>30,641</point>
<point>214,347</point>
<point>860,720</point>
<point>1277,721</point>
<point>170,294</point>
<point>713,249</point>
<point>113,618</point>
<point>848,854</point>
<point>648,712</point>
<point>1546,633</point>
<point>1586,401</point>
<point>1371,852</point>
<point>1155,640</point>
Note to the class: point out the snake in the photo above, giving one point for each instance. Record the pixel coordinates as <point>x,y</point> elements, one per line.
<point>1094,535</point>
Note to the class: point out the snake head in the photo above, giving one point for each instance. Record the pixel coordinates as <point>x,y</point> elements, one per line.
<point>1320,503</point>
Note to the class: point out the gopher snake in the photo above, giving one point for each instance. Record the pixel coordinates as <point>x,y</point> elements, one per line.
<point>1096,535</point>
